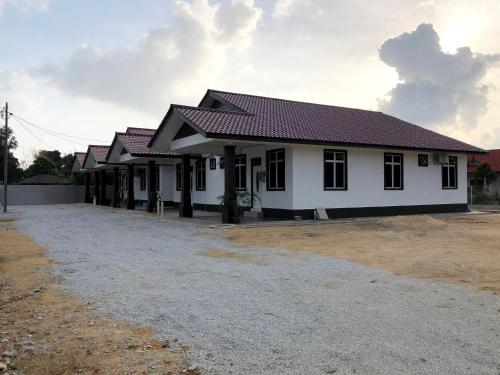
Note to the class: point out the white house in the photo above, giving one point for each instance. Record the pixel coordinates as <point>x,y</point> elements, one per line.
<point>297,156</point>
<point>153,172</point>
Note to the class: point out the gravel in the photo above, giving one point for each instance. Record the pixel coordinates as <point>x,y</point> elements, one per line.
<point>265,311</point>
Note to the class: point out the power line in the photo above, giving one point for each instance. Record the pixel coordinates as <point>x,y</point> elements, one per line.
<point>54,133</point>
<point>30,132</point>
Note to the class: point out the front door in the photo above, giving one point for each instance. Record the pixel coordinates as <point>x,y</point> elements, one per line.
<point>257,183</point>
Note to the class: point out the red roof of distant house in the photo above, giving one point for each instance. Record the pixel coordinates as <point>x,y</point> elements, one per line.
<point>136,140</point>
<point>492,158</point>
<point>140,131</point>
<point>99,153</point>
<point>262,118</point>
<point>80,156</point>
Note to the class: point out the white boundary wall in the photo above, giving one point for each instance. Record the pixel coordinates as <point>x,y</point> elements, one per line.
<point>43,194</point>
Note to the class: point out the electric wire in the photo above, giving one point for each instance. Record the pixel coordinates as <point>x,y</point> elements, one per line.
<point>30,132</point>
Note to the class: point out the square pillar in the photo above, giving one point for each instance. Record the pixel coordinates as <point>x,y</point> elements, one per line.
<point>103,188</point>
<point>185,208</point>
<point>229,182</point>
<point>130,190</point>
<point>151,186</point>
<point>116,187</point>
<point>97,185</point>
<point>87,188</point>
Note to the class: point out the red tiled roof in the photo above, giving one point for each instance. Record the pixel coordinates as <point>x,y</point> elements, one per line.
<point>136,140</point>
<point>99,152</point>
<point>140,131</point>
<point>80,156</point>
<point>292,121</point>
<point>492,158</point>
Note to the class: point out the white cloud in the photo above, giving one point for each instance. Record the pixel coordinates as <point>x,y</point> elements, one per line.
<point>25,5</point>
<point>176,62</point>
<point>282,8</point>
<point>435,86</point>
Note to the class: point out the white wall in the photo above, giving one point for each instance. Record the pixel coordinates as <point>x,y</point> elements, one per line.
<point>365,171</point>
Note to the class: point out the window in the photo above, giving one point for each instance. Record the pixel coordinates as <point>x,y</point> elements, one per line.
<point>221,163</point>
<point>276,169</point>
<point>449,173</point>
<point>393,171</point>
<point>423,160</point>
<point>178,177</point>
<point>213,164</point>
<point>201,174</point>
<point>335,170</point>
<point>240,174</point>
<point>142,179</point>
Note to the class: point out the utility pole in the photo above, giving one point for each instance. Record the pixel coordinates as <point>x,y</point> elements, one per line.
<point>5,157</point>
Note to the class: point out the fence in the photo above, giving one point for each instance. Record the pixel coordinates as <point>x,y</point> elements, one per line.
<point>43,194</point>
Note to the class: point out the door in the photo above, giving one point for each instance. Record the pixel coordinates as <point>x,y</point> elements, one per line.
<point>256,183</point>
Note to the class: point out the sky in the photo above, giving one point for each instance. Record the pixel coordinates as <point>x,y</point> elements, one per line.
<point>88,68</point>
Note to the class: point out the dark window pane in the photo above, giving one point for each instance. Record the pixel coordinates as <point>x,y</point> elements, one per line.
<point>328,175</point>
<point>281,175</point>
<point>339,176</point>
<point>453,179</point>
<point>388,176</point>
<point>272,176</point>
<point>388,158</point>
<point>444,174</point>
<point>396,158</point>
<point>243,177</point>
<point>340,156</point>
<point>397,176</point>
<point>328,155</point>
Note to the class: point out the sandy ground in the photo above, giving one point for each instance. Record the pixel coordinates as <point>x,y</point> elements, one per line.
<point>260,310</point>
<point>44,331</point>
<point>462,249</point>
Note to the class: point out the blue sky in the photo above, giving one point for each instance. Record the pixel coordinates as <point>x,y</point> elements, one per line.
<point>90,68</point>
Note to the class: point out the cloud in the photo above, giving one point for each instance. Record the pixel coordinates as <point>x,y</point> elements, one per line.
<point>435,86</point>
<point>40,5</point>
<point>282,8</point>
<point>175,62</point>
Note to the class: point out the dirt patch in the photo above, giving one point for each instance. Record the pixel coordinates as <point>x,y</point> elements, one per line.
<point>462,249</point>
<point>44,331</point>
<point>215,253</point>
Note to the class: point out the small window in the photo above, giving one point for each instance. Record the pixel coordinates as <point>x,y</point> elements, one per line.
<point>423,160</point>
<point>213,164</point>
<point>335,170</point>
<point>240,166</point>
<point>221,163</point>
<point>393,171</point>
<point>142,179</point>
<point>201,174</point>
<point>178,177</point>
<point>449,173</point>
<point>276,169</point>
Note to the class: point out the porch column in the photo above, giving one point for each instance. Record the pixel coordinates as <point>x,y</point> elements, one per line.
<point>229,182</point>
<point>97,185</point>
<point>103,187</point>
<point>151,186</point>
<point>130,192</point>
<point>116,187</point>
<point>87,188</point>
<point>185,208</point>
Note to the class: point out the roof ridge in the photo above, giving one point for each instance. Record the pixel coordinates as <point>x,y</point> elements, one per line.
<point>98,146</point>
<point>212,110</point>
<point>289,100</point>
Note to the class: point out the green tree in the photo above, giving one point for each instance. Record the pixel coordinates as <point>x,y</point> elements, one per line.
<point>15,173</point>
<point>42,165</point>
<point>484,175</point>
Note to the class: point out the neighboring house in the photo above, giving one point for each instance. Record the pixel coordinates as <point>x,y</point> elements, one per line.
<point>78,162</point>
<point>493,159</point>
<point>299,156</point>
<point>152,171</point>
<point>44,179</point>
<point>95,163</point>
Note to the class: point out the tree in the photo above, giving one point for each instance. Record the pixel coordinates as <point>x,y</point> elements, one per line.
<point>484,175</point>
<point>42,165</point>
<point>15,173</point>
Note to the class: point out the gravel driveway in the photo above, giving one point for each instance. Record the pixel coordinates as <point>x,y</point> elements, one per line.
<point>262,311</point>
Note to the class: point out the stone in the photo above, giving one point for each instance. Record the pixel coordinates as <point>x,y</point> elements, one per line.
<point>3,366</point>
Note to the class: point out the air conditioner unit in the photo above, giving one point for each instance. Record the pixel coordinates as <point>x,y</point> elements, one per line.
<point>440,158</point>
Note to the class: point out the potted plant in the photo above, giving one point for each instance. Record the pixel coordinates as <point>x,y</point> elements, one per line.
<point>237,201</point>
